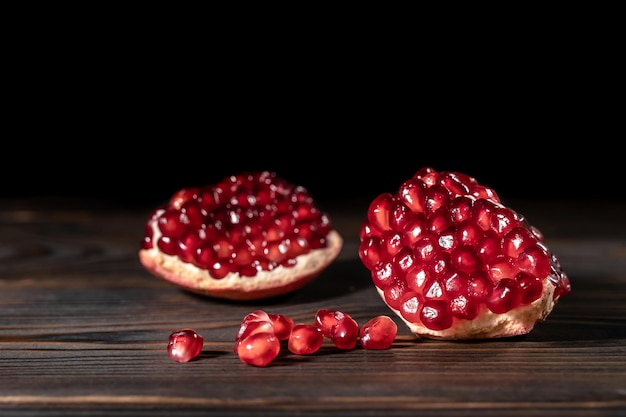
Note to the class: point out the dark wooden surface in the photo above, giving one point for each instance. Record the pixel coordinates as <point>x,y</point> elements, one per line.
<point>84,328</point>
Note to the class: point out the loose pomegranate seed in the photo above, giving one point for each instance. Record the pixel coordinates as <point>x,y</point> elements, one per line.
<point>339,327</point>
<point>444,248</point>
<point>259,349</point>
<point>184,345</point>
<point>283,325</point>
<point>378,333</point>
<point>305,339</point>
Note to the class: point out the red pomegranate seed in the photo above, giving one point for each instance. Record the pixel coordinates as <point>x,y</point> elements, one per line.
<point>184,345</point>
<point>444,248</point>
<point>283,325</point>
<point>259,349</point>
<point>339,327</point>
<point>305,339</point>
<point>378,333</point>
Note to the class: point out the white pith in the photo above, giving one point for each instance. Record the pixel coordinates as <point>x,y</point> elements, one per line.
<point>486,325</point>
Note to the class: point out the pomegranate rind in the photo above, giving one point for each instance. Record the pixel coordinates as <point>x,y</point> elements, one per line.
<point>487,325</point>
<point>265,284</point>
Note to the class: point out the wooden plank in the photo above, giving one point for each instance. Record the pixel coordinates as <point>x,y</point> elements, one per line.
<point>83,330</point>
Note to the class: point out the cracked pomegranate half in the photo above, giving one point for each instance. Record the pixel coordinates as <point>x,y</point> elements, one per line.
<point>250,236</point>
<point>453,262</point>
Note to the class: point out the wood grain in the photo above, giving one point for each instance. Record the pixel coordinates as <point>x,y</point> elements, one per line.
<point>83,330</point>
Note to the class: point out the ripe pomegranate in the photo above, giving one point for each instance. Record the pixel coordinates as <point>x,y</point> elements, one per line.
<point>453,262</point>
<point>250,236</point>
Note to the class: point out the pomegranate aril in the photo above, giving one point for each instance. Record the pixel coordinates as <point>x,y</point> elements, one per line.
<point>259,349</point>
<point>436,314</point>
<point>283,325</point>
<point>184,345</point>
<point>378,333</point>
<point>345,333</point>
<point>305,339</point>
<point>505,296</point>
<point>251,328</point>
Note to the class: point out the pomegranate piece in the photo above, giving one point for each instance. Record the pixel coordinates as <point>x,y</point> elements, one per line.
<point>250,236</point>
<point>453,262</point>
<point>184,345</point>
<point>305,339</point>
<point>378,333</point>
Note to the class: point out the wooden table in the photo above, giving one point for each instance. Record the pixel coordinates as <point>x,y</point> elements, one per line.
<point>84,329</point>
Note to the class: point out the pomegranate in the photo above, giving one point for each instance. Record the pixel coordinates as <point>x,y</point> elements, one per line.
<point>250,236</point>
<point>453,262</point>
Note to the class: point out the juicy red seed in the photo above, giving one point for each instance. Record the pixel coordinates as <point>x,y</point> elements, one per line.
<point>453,183</point>
<point>534,261</point>
<point>411,307</point>
<point>479,287</point>
<point>249,328</point>
<point>378,333</point>
<point>391,243</point>
<point>505,296</point>
<point>255,221</point>
<point>411,194</point>
<point>455,283</point>
<point>394,292</point>
<point>463,308</point>
<point>461,209</point>
<point>413,230</point>
<point>345,333</point>
<point>403,262</point>
<point>379,213</point>
<point>482,212</point>
<point>326,319</point>
<point>259,349</point>
<point>305,339</point>
<point>416,277</point>
<point>338,326</point>
<point>530,286</point>
<point>382,274</point>
<point>427,174</point>
<point>436,314</point>
<point>435,197</point>
<point>183,196</point>
<point>399,216</point>
<point>465,259</point>
<point>184,345</point>
<point>503,220</point>
<point>517,240</point>
<point>283,325</point>
<point>370,252</point>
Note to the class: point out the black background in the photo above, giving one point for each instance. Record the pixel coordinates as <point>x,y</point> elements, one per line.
<point>131,124</point>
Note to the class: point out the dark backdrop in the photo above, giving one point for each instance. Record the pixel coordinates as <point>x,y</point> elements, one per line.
<point>132,131</point>
<point>146,169</point>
